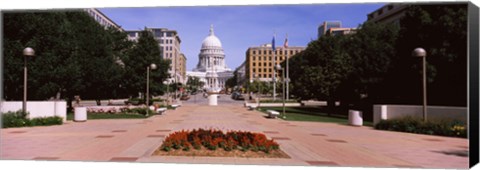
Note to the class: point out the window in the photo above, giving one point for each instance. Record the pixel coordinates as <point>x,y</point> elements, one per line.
<point>265,58</point>
<point>253,64</point>
<point>264,70</point>
<point>253,52</point>
<point>253,58</point>
<point>270,52</point>
<point>169,34</point>
<point>158,33</point>
<point>259,70</point>
<point>265,75</point>
<point>270,58</point>
<point>390,7</point>
<point>291,52</point>
<point>265,64</point>
<point>131,34</point>
<point>270,70</point>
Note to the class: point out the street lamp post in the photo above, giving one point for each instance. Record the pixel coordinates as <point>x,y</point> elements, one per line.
<point>278,67</point>
<point>420,52</point>
<point>27,52</point>
<point>153,67</point>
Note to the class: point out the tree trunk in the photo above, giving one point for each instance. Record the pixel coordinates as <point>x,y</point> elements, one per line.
<point>330,106</point>
<point>69,105</point>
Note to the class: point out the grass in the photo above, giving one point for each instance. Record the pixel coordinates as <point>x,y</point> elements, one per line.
<point>92,116</point>
<point>311,114</point>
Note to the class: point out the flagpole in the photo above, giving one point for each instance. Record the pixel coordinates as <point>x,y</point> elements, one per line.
<point>274,64</point>
<point>286,57</point>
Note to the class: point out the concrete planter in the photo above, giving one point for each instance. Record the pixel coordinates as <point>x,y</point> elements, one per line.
<point>213,99</point>
<point>355,118</point>
<point>80,114</point>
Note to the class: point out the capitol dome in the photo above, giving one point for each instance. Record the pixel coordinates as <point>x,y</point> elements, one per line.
<point>211,40</point>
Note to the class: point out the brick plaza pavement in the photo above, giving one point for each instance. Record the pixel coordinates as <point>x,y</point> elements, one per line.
<point>307,143</point>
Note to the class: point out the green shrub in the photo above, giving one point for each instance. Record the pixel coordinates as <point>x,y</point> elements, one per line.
<point>431,127</point>
<point>15,119</point>
<point>19,119</point>
<point>142,111</point>
<point>46,121</point>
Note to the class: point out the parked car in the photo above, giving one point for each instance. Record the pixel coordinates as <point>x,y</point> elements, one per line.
<point>237,96</point>
<point>234,95</point>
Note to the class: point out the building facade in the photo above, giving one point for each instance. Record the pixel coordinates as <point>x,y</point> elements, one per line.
<point>102,19</point>
<point>169,43</point>
<point>211,68</point>
<point>326,25</point>
<point>334,28</point>
<point>240,71</point>
<point>259,61</point>
<point>388,14</point>
<point>182,68</point>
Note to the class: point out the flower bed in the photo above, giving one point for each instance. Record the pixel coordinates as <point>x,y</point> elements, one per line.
<point>216,143</point>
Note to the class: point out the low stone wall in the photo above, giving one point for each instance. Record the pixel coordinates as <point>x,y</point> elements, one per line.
<point>37,108</point>
<point>317,103</point>
<point>273,104</point>
<point>383,112</point>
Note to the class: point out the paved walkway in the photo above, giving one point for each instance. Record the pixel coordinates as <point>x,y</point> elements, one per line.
<point>307,143</point>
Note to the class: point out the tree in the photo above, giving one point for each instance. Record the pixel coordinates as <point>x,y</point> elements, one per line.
<point>194,83</point>
<point>73,55</point>
<point>372,52</point>
<point>441,30</point>
<point>145,52</point>
<point>324,65</point>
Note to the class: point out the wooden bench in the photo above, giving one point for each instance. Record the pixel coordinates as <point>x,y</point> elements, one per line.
<point>161,110</point>
<point>273,113</point>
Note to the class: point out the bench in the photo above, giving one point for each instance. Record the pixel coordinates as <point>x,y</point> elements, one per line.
<point>252,107</point>
<point>161,110</point>
<point>273,113</point>
<point>174,106</point>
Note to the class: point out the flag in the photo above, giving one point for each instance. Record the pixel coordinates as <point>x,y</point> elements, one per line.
<point>286,42</point>
<point>273,43</point>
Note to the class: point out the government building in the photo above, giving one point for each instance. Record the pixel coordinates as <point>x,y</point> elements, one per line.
<point>211,68</point>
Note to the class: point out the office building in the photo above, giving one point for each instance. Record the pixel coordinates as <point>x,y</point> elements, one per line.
<point>259,61</point>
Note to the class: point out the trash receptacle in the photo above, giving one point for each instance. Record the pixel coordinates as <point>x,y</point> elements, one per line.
<point>80,114</point>
<point>355,118</point>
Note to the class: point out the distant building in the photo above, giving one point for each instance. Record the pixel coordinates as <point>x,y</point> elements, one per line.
<point>326,25</point>
<point>340,31</point>
<point>182,66</point>
<point>102,19</point>
<point>388,14</point>
<point>333,28</point>
<point>169,43</point>
<point>259,61</point>
<point>240,71</point>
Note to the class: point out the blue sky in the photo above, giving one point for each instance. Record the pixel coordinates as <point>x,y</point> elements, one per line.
<point>240,27</point>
